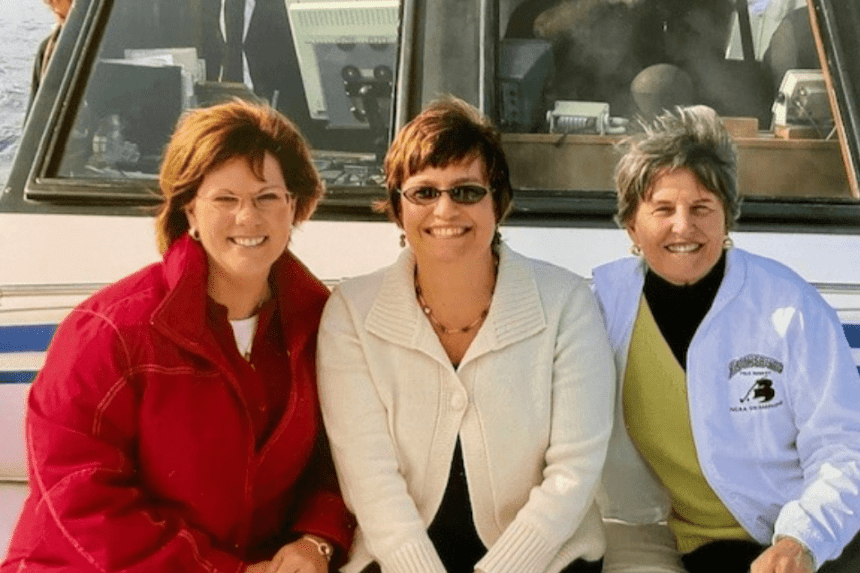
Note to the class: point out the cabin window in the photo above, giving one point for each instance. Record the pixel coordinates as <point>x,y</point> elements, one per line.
<point>564,79</point>
<point>329,66</point>
<point>573,77</point>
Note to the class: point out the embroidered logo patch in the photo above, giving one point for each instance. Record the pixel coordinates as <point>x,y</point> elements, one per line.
<point>755,380</point>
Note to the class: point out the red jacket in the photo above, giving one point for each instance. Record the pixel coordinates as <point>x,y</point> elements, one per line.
<point>141,448</point>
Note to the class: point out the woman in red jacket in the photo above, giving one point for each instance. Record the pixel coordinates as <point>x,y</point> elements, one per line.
<point>175,426</point>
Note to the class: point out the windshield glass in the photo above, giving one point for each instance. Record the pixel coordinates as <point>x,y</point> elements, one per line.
<point>328,66</point>
<point>575,77</point>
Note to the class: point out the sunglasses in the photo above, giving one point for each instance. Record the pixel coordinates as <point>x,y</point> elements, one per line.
<point>462,194</point>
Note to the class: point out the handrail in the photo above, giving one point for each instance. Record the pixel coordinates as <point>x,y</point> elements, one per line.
<point>72,289</point>
<point>68,289</point>
<point>837,288</point>
<point>75,289</point>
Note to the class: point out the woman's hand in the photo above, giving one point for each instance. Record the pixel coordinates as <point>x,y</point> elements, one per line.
<point>785,556</point>
<point>300,556</point>
<point>260,567</point>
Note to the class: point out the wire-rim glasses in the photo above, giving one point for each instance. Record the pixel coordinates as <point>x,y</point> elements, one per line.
<point>269,201</point>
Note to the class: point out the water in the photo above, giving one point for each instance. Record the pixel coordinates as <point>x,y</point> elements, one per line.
<point>23,24</point>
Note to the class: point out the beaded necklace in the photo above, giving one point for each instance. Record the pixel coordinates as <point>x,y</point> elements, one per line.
<point>435,321</point>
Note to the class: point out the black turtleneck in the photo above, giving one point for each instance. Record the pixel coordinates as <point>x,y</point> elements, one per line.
<point>678,310</point>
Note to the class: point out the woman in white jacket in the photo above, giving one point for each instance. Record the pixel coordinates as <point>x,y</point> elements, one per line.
<point>467,391</point>
<point>738,397</point>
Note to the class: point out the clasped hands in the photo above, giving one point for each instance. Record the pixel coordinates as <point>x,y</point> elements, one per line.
<point>300,556</point>
<point>787,555</point>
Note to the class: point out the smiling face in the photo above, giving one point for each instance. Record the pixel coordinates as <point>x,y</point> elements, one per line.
<point>242,239</point>
<point>680,227</point>
<point>446,231</point>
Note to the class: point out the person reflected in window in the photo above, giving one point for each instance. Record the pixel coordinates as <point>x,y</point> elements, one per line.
<point>645,55</point>
<point>250,42</point>
<point>738,411</point>
<point>466,389</point>
<point>175,425</point>
<point>61,9</point>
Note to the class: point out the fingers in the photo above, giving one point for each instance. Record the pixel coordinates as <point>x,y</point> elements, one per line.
<point>298,557</point>
<point>786,556</point>
<point>261,567</point>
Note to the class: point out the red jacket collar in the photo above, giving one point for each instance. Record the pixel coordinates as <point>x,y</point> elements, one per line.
<point>182,313</point>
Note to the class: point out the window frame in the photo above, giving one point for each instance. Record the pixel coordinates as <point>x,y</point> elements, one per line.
<point>803,215</point>
<point>29,189</point>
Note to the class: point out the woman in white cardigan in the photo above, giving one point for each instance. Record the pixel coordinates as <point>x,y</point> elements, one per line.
<point>467,391</point>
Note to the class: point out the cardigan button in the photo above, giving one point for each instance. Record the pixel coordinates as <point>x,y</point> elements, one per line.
<point>458,401</point>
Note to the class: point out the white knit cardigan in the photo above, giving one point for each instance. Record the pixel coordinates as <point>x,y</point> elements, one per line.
<point>531,402</point>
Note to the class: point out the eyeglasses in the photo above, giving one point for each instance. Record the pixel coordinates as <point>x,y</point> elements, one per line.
<point>266,202</point>
<point>462,194</point>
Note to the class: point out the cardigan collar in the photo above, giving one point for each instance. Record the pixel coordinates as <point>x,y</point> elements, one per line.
<point>515,313</point>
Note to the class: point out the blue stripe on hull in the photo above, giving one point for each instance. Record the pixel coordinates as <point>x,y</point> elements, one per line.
<point>26,338</point>
<point>17,376</point>
<point>852,333</point>
<point>37,337</point>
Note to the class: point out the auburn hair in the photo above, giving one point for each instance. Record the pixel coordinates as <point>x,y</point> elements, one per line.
<point>206,138</point>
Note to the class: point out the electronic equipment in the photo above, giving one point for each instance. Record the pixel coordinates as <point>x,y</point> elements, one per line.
<point>524,66</point>
<point>803,100</point>
<point>584,117</point>
<point>347,54</point>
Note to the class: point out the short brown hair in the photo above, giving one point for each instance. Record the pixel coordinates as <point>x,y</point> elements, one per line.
<point>693,138</point>
<point>448,131</point>
<point>207,138</point>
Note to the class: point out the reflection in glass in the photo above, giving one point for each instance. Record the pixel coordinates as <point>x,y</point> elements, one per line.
<point>327,66</point>
<point>583,72</point>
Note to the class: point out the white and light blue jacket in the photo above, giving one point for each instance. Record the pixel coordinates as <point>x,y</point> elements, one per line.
<point>774,400</point>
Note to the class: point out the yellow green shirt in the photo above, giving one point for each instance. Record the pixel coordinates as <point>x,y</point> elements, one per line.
<point>657,415</point>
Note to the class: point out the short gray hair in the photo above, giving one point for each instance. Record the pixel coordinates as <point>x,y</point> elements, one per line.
<point>693,138</point>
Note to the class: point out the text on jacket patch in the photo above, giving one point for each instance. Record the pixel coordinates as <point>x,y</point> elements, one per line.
<point>755,383</point>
